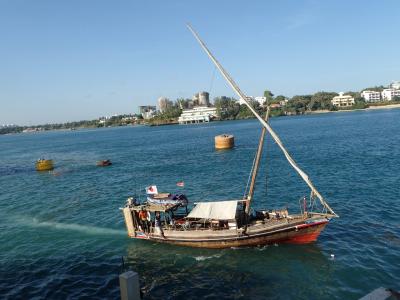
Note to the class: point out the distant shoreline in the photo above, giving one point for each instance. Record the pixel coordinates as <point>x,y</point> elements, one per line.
<point>315,112</point>
<point>373,107</point>
<point>389,106</point>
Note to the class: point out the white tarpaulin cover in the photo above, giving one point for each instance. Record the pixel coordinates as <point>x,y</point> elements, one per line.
<point>221,210</point>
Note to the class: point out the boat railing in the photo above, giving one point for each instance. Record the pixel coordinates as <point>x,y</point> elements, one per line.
<point>196,225</point>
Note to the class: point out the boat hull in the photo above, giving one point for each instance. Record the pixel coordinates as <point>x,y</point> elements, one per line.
<point>298,234</point>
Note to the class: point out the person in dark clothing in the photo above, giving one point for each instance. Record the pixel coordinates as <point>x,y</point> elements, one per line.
<point>157,224</point>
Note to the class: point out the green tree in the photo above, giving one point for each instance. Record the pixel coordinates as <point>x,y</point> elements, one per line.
<point>245,112</point>
<point>379,88</point>
<point>396,98</point>
<point>279,98</point>
<point>269,96</point>
<point>227,108</point>
<point>321,100</point>
<point>298,104</point>
<point>183,103</point>
<point>359,105</point>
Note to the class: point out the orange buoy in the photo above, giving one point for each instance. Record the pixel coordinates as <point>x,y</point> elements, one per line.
<point>44,165</point>
<point>224,141</point>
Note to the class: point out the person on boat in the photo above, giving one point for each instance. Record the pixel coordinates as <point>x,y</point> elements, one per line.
<point>132,201</point>
<point>143,219</point>
<point>157,224</point>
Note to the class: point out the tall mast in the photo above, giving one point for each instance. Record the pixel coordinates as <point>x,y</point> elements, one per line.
<point>243,97</point>
<point>256,166</point>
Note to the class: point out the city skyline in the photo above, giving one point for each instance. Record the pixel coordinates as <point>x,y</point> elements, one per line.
<point>70,61</point>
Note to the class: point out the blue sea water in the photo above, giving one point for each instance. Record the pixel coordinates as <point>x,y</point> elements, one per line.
<point>62,235</point>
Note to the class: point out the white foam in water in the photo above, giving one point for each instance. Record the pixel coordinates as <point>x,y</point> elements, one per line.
<point>201,258</point>
<point>262,248</point>
<point>71,226</point>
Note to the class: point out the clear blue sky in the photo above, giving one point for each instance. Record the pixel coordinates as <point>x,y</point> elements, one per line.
<point>72,60</point>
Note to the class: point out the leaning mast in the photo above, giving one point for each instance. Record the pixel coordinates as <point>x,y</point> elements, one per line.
<point>256,166</point>
<point>243,97</point>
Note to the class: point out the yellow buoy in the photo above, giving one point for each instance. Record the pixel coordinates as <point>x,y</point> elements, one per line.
<point>44,165</point>
<point>224,141</point>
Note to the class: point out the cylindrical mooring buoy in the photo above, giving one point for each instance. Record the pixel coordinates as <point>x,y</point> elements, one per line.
<point>224,141</point>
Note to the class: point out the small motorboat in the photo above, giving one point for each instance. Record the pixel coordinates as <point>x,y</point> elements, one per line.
<point>44,164</point>
<point>104,163</point>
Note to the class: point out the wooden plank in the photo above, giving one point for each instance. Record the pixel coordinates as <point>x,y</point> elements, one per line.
<point>129,221</point>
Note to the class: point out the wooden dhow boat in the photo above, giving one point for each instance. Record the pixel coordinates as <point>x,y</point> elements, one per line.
<point>225,224</point>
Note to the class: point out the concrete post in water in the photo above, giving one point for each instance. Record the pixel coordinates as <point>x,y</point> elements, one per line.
<point>381,294</point>
<point>129,286</point>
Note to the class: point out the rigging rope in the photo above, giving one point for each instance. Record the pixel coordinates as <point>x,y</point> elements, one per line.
<point>212,80</point>
<point>266,165</point>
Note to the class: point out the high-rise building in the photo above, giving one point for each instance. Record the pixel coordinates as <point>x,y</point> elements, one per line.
<point>201,99</point>
<point>204,99</point>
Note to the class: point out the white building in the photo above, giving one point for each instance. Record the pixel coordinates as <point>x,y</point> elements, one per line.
<point>343,100</point>
<point>198,114</point>
<point>147,111</point>
<point>261,100</point>
<point>283,102</point>
<point>241,101</point>
<point>389,94</point>
<point>371,96</point>
<point>395,85</point>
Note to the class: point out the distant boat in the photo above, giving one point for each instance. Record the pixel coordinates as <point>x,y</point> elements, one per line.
<point>44,164</point>
<point>230,223</point>
<point>104,163</point>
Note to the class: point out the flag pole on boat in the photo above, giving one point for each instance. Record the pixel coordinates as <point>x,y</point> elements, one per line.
<point>243,97</point>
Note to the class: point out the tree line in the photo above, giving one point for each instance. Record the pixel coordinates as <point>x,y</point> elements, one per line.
<point>228,108</point>
<point>113,121</point>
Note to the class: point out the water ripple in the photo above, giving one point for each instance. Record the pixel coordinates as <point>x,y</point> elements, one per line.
<point>62,234</point>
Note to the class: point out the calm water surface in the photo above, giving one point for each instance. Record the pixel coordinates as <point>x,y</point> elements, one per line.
<point>62,235</point>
